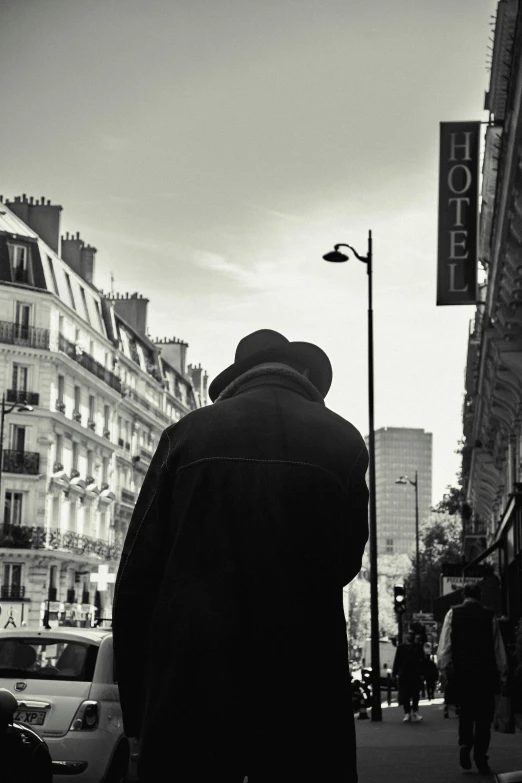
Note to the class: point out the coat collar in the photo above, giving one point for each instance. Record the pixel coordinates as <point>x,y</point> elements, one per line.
<point>278,374</point>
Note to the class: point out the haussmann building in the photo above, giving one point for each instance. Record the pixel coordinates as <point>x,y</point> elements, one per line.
<point>87,395</point>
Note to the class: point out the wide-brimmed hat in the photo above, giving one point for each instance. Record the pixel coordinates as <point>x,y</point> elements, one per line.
<point>265,345</point>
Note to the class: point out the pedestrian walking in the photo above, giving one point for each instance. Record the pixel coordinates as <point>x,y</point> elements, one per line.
<point>24,756</point>
<point>472,651</point>
<point>408,668</point>
<point>431,675</point>
<point>228,622</point>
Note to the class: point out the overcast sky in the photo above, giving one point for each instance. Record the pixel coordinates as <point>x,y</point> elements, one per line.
<point>213,151</point>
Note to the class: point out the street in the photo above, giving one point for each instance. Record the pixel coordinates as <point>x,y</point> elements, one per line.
<point>424,752</point>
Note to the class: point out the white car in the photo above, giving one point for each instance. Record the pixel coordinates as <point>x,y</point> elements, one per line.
<point>63,680</point>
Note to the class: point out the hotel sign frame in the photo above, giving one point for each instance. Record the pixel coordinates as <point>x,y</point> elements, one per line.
<point>457,279</point>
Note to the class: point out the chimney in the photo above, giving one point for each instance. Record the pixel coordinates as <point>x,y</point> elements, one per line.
<point>72,252</point>
<point>132,309</point>
<point>174,352</point>
<point>87,263</point>
<point>199,381</point>
<point>42,217</point>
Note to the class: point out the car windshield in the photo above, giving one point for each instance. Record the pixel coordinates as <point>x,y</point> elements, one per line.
<point>55,659</point>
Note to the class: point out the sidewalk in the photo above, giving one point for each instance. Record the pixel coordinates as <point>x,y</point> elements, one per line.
<point>426,752</point>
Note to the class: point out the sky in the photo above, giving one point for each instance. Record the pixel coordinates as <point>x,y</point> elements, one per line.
<point>214,151</point>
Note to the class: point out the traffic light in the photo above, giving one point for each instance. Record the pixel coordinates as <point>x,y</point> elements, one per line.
<point>399,599</point>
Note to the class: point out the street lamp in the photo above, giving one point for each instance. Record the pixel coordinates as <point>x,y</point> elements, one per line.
<point>20,408</point>
<point>336,257</point>
<point>405,480</point>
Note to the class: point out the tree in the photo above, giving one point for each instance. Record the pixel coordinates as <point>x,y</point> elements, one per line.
<point>440,542</point>
<point>358,621</point>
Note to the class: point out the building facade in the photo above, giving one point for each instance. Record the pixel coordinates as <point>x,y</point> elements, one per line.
<point>400,451</point>
<point>86,395</point>
<point>492,415</point>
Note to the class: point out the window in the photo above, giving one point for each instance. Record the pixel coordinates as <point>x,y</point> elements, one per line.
<point>20,263</point>
<point>23,316</point>
<point>13,508</point>
<point>72,516</point>
<point>61,324</point>
<point>53,275</point>
<point>106,417</point>
<point>103,525</point>
<point>20,377</point>
<point>61,387</point>
<point>91,347</point>
<point>75,452</point>
<point>69,288</point>
<point>84,300</point>
<point>389,546</point>
<point>92,407</point>
<point>77,398</point>
<point>105,470</point>
<point>56,513</point>
<point>90,465</point>
<point>12,581</point>
<point>18,438</point>
<point>59,448</point>
<point>98,313</point>
<point>87,523</point>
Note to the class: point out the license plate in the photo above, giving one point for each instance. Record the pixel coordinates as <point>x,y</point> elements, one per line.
<point>30,717</point>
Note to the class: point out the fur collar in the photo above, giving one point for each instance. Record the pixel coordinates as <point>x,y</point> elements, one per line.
<point>267,370</point>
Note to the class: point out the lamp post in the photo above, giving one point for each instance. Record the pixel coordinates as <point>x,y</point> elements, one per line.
<point>336,257</point>
<point>405,480</point>
<point>21,408</point>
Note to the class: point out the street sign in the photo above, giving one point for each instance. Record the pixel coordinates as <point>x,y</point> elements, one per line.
<point>450,584</point>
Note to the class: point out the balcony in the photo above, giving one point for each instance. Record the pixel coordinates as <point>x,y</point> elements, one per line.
<point>25,462</point>
<point>22,397</point>
<point>19,334</point>
<point>147,404</point>
<point>86,360</point>
<point>127,496</point>
<point>32,537</point>
<point>12,592</point>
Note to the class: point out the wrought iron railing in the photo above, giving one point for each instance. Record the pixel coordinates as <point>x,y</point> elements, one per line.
<point>147,404</point>
<point>19,334</point>
<point>127,496</point>
<point>23,397</point>
<point>32,537</point>
<point>25,462</point>
<point>73,351</point>
<point>12,592</point>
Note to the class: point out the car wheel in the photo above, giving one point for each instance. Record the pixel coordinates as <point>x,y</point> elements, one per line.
<point>119,768</point>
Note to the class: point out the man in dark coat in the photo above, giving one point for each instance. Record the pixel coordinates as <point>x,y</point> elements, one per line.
<point>472,652</point>
<point>229,631</point>
<point>408,667</point>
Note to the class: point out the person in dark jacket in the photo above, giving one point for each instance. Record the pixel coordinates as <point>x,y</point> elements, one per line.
<point>24,756</point>
<point>471,651</point>
<point>408,667</point>
<point>228,623</point>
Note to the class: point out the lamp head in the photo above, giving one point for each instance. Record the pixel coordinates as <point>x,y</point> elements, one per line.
<point>24,408</point>
<point>402,480</point>
<point>335,257</point>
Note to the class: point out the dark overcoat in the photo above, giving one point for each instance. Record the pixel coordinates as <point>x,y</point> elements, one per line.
<point>229,631</point>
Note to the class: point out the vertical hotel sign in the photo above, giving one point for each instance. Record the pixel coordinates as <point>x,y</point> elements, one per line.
<point>458,213</point>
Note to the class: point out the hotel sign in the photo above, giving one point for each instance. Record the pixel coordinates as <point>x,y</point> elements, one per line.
<point>458,213</point>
